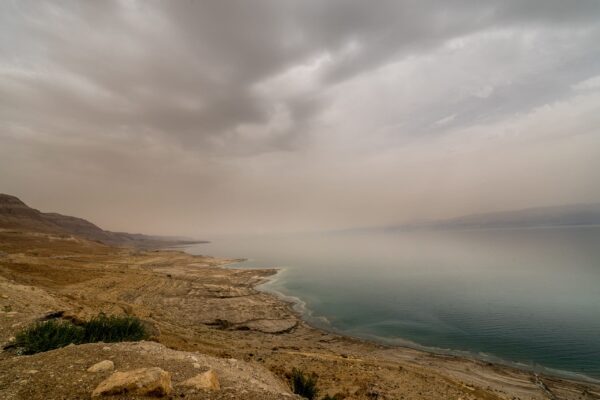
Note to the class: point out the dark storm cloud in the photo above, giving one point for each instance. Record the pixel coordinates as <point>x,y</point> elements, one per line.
<point>185,70</point>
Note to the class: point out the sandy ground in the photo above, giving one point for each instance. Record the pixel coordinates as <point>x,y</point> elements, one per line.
<point>194,305</point>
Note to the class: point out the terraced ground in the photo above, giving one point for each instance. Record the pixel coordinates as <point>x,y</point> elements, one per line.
<point>193,304</point>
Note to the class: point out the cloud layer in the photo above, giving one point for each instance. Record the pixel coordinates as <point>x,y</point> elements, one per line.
<point>204,117</point>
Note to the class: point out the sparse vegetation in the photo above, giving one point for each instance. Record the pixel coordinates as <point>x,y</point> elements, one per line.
<point>48,335</point>
<point>114,328</point>
<point>304,385</point>
<point>53,334</point>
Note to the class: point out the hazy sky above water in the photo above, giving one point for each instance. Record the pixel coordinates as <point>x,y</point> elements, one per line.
<point>205,117</point>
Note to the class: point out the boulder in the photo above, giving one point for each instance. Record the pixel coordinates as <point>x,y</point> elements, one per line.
<point>207,381</point>
<point>143,382</point>
<point>102,366</point>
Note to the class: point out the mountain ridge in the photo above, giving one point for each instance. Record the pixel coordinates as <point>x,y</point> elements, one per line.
<point>533,217</point>
<point>15,214</point>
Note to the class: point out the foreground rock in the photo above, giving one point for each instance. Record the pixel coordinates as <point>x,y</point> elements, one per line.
<point>102,366</point>
<point>144,381</point>
<point>63,373</point>
<point>205,381</point>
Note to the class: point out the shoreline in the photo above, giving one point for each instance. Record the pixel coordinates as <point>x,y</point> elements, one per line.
<point>201,305</point>
<point>300,309</point>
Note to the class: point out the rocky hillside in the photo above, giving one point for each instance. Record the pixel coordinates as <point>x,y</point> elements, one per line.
<point>135,370</point>
<point>15,214</point>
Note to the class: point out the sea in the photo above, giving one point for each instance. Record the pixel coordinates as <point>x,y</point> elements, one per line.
<point>527,297</point>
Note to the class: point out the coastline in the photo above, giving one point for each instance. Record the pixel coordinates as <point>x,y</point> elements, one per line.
<point>300,308</point>
<point>200,304</point>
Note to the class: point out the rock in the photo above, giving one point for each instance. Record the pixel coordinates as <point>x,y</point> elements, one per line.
<point>144,382</point>
<point>197,365</point>
<point>273,326</point>
<point>207,380</point>
<point>102,366</point>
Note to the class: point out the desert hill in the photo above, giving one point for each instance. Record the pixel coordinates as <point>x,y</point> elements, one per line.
<point>15,214</point>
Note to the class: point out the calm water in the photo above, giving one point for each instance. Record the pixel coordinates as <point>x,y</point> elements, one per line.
<point>525,296</point>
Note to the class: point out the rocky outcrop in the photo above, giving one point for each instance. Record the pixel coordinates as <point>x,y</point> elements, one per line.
<point>205,381</point>
<point>64,374</point>
<point>102,366</point>
<point>143,382</point>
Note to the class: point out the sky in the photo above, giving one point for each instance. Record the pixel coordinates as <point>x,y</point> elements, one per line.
<point>233,116</point>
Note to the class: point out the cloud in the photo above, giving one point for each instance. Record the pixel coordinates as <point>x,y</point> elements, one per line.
<point>446,120</point>
<point>212,102</point>
<point>588,84</point>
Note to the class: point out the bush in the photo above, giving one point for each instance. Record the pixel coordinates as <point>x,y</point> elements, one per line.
<point>48,335</point>
<point>114,328</point>
<point>304,385</point>
<point>53,334</point>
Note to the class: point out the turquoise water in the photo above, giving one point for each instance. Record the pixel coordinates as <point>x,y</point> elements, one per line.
<point>529,296</point>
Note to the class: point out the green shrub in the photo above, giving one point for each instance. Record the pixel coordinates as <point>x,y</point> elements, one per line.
<point>304,385</point>
<point>53,334</point>
<point>48,335</point>
<point>114,328</point>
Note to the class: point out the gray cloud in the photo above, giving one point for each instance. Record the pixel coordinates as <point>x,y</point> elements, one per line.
<point>210,100</point>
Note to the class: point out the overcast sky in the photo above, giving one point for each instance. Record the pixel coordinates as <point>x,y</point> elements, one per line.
<point>208,117</point>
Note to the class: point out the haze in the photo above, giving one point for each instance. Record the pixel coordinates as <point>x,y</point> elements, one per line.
<point>211,117</point>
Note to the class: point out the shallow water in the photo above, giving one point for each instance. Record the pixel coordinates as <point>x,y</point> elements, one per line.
<point>528,296</point>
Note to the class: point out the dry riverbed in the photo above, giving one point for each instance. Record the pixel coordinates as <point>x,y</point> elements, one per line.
<point>199,310</point>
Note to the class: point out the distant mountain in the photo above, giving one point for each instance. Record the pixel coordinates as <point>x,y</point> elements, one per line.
<point>568,215</point>
<point>14,214</point>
